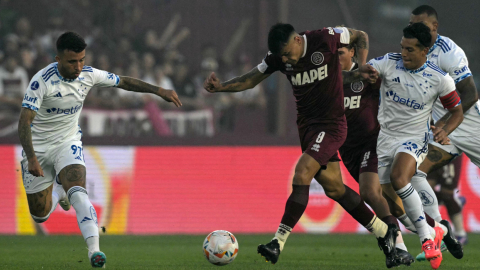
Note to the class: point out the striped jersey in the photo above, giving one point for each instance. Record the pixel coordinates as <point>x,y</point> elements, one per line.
<point>58,102</point>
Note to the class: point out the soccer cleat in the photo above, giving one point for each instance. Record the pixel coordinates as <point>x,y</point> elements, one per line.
<point>270,251</point>
<point>451,242</point>
<point>432,252</point>
<point>421,256</point>
<point>462,240</point>
<point>404,258</point>
<point>63,200</point>
<point>387,245</point>
<point>97,259</point>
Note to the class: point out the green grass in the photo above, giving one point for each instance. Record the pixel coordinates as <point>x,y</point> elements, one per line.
<point>302,251</point>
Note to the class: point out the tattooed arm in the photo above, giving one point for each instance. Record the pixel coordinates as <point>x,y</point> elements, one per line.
<point>248,80</point>
<point>136,85</point>
<point>25,134</point>
<point>365,72</point>
<point>360,40</point>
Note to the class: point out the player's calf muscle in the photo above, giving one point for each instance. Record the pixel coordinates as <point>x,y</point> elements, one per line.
<point>40,203</point>
<point>73,175</point>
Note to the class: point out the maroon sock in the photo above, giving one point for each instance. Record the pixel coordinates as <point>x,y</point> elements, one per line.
<point>430,220</point>
<point>296,205</point>
<point>390,220</point>
<point>356,207</point>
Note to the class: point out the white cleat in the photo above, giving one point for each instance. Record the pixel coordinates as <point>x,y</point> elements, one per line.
<point>64,203</point>
<point>97,259</point>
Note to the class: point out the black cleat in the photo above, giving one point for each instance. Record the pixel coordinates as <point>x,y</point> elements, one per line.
<point>270,251</point>
<point>404,258</point>
<point>387,244</point>
<point>451,242</point>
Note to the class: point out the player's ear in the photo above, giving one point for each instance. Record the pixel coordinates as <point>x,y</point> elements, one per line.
<point>435,26</point>
<point>57,58</point>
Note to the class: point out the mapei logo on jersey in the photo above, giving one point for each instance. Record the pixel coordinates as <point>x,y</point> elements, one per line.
<point>352,102</point>
<point>424,74</point>
<point>30,99</point>
<point>72,110</point>
<point>310,76</point>
<point>55,82</point>
<point>35,85</point>
<point>407,102</point>
<point>460,71</point>
<point>317,58</point>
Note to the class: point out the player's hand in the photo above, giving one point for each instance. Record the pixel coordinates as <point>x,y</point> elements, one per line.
<point>170,96</point>
<point>368,73</point>
<point>34,167</point>
<point>212,83</point>
<point>440,135</point>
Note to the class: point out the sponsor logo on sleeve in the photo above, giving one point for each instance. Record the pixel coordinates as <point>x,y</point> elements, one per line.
<point>35,85</point>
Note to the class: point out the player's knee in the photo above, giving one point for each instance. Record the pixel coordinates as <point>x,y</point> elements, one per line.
<point>398,179</point>
<point>334,192</point>
<point>301,178</point>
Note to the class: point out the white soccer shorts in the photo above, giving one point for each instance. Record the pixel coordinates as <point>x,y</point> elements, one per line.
<point>52,162</point>
<point>470,145</point>
<point>388,147</point>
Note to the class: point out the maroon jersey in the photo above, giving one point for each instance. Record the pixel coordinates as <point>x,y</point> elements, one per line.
<point>361,109</point>
<point>316,78</point>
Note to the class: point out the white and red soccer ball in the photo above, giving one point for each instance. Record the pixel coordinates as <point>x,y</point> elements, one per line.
<point>220,247</point>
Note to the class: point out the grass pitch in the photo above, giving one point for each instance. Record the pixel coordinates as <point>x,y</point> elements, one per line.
<point>302,251</point>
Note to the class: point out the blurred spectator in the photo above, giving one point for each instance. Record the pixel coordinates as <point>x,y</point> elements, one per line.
<point>185,87</point>
<point>13,84</point>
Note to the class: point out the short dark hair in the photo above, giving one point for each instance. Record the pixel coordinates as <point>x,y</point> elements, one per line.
<point>425,9</point>
<point>419,31</point>
<point>70,41</point>
<point>278,37</point>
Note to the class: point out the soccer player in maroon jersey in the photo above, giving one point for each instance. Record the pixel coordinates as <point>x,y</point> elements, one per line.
<point>359,151</point>
<point>310,62</point>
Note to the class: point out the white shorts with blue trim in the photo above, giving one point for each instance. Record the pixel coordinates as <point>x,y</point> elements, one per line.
<point>389,146</point>
<point>52,162</point>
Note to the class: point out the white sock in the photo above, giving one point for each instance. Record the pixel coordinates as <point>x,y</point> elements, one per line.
<point>407,223</point>
<point>457,221</point>
<point>399,243</point>
<point>427,195</point>
<point>93,244</point>
<point>445,230</point>
<point>282,234</point>
<point>401,246</point>
<point>413,208</point>
<point>377,227</point>
<point>86,214</point>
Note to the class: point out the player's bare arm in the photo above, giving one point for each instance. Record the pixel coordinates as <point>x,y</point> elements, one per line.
<point>440,133</point>
<point>468,95</point>
<point>365,72</point>
<point>136,85</point>
<point>25,134</point>
<point>360,40</point>
<point>247,81</point>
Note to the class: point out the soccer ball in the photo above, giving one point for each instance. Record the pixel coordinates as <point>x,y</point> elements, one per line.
<point>220,247</point>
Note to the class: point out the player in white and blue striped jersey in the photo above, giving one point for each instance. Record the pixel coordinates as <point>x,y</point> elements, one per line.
<point>53,165</point>
<point>451,59</point>
<point>410,86</point>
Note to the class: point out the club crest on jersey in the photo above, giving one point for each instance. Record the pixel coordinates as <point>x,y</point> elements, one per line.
<point>34,86</point>
<point>357,87</point>
<point>317,58</point>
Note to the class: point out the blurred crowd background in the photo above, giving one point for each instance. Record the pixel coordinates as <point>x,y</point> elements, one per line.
<point>177,44</point>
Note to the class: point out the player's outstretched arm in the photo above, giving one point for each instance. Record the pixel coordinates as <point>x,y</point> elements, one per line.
<point>136,85</point>
<point>440,133</point>
<point>468,95</point>
<point>25,134</point>
<point>248,80</point>
<point>360,40</point>
<point>365,72</point>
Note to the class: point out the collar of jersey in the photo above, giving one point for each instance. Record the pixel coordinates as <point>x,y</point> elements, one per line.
<point>418,69</point>
<point>434,44</point>
<point>60,76</point>
<point>304,46</point>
